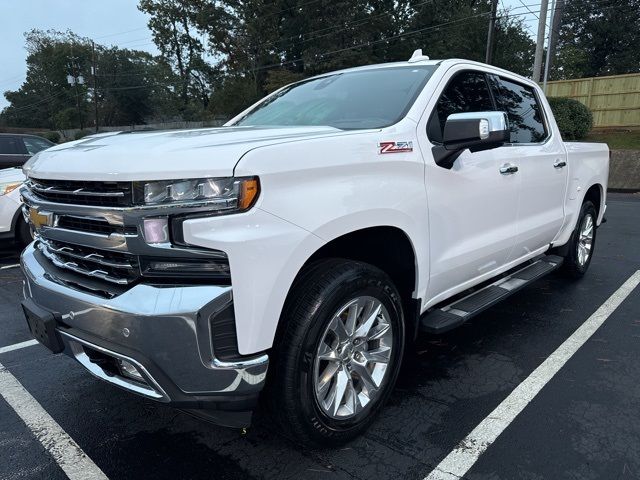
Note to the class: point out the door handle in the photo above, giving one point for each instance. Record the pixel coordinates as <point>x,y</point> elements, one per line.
<point>508,169</point>
<point>560,164</point>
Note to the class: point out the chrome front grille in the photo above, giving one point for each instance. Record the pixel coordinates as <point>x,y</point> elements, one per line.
<point>100,194</point>
<point>114,267</point>
<point>92,225</point>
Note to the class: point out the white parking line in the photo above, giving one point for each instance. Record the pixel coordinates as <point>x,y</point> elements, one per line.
<point>464,456</point>
<point>6,267</point>
<point>18,346</point>
<point>73,461</point>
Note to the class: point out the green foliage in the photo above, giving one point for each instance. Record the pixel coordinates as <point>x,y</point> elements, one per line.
<point>574,119</point>
<point>598,38</point>
<point>233,95</point>
<point>259,45</point>
<point>132,86</point>
<point>52,136</point>
<point>279,78</point>
<point>66,118</point>
<point>81,134</point>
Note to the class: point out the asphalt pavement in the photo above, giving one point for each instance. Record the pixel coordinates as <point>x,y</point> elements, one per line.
<point>583,424</point>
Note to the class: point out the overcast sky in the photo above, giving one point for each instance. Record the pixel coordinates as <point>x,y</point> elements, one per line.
<point>116,22</point>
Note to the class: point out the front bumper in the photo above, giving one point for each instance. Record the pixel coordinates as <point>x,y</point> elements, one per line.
<point>164,331</point>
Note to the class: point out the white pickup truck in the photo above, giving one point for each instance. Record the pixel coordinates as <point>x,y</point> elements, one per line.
<point>303,245</point>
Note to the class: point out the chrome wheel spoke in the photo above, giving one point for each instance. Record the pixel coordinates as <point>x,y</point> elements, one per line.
<point>352,317</point>
<point>379,355</point>
<point>369,316</point>
<point>325,352</point>
<point>338,391</point>
<point>322,387</point>
<point>378,331</point>
<point>364,375</point>
<point>338,328</point>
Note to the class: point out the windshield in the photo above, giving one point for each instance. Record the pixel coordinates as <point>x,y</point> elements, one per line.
<point>371,98</point>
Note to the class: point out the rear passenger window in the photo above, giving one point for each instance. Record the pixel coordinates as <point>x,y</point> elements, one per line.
<point>524,111</point>
<point>466,92</point>
<point>10,146</point>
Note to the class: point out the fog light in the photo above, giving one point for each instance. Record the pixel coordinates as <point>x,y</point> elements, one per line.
<point>156,230</point>
<point>129,370</point>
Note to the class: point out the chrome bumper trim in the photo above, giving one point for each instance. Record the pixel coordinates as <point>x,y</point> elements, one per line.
<point>153,390</point>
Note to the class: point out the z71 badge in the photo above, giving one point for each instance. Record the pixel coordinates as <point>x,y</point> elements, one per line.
<point>395,147</point>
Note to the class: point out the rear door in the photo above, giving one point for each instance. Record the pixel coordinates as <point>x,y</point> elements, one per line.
<point>473,208</point>
<point>541,161</point>
<point>12,151</point>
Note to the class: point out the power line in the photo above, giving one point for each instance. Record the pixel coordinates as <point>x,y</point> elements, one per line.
<point>34,104</point>
<point>121,33</point>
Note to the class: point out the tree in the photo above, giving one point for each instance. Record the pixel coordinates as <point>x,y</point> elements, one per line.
<point>598,38</point>
<point>175,34</point>
<point>51,56</point>
<point>133,86</point>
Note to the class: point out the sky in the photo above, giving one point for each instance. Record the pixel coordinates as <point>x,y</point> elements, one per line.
<point>108,22</point>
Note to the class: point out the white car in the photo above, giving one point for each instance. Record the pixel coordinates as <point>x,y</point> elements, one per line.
<point>13,227</point>
<point>304,244</point>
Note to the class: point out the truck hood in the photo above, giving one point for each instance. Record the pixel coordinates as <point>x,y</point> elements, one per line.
<point>126,156</point>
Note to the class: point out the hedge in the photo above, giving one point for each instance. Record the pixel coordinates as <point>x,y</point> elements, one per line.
<point>574,119</point>
<point>52,136</point>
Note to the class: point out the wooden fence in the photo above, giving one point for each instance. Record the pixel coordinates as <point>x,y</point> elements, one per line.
<point>614,101</point>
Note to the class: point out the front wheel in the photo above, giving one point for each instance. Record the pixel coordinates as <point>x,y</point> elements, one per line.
<point>23,233</point>
<point>340,351</point>
<point>582,242</point>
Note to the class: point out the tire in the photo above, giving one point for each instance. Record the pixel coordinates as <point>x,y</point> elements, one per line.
<point>23,233</point>
<point>299,400</point>
<point>575,264</point>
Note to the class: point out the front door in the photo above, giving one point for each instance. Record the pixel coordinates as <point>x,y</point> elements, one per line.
<point>473,207</point>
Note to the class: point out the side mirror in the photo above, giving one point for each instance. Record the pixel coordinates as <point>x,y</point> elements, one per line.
<point>475,130</point>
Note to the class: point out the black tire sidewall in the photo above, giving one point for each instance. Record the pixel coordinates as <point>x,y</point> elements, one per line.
<point>23,233</point>
<point>362,280</point>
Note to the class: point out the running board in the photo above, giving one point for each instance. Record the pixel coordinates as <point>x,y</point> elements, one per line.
<point>450,316</point>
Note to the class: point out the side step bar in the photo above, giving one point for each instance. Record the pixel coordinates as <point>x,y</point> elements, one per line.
<point>450,316</point>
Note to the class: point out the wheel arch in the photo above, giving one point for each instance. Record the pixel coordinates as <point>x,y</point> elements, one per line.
<point>595,194</point>
<point>388,248</point>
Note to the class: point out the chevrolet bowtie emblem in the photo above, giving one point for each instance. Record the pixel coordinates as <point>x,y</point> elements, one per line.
<point>40,219</point>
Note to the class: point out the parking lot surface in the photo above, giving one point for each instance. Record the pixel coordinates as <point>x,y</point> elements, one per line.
<point>584,423</point>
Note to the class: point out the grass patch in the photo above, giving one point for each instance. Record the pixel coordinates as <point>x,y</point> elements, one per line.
<point>617,140</point>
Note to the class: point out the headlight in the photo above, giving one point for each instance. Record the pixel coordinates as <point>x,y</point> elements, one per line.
<point>225,194</point>
<point>8,187</point>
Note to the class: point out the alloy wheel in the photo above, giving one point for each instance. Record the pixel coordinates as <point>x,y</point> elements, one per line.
<point>352,358</point>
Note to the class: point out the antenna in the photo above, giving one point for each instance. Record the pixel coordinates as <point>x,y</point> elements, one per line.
<point>418,56</point>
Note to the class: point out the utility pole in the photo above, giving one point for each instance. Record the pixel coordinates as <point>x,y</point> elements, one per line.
<point>548,59</point>
<point>95,84</point>
<point>556,24</point>
<point>491,35</point>
<point>75,79</point>
<point>542,24</point>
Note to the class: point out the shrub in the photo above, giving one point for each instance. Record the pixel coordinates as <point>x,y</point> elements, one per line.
<point>574,118</point>
<point>81,133</point>
<point>52,136</point>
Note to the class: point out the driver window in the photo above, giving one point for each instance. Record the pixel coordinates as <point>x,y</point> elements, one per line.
<point>466,92</point>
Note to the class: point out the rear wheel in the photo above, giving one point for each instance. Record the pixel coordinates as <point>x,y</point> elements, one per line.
<point>340,352</point>
<point>582,242</point>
